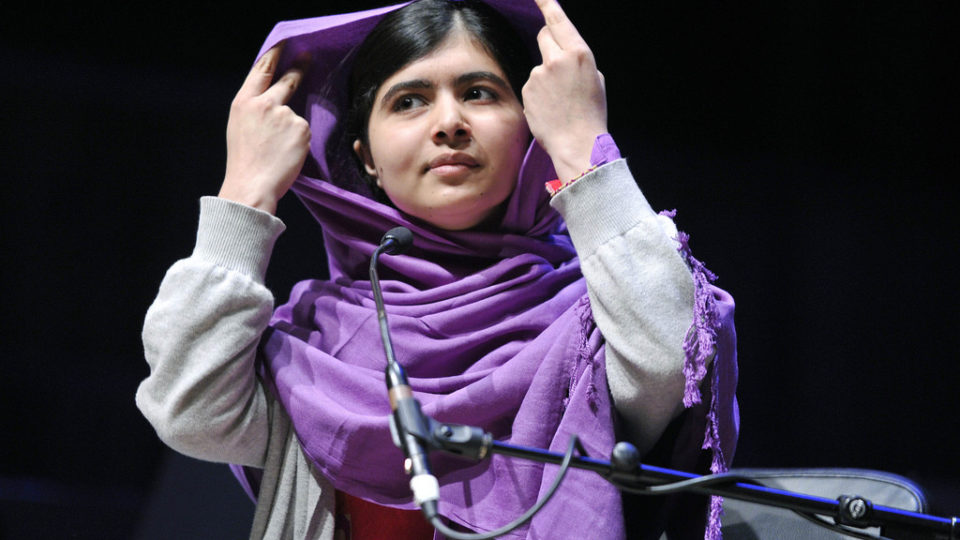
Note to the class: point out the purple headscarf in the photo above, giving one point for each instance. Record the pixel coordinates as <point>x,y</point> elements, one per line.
<point>494,329</point>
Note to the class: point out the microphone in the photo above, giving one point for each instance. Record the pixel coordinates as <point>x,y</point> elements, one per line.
<point>397,240</point>
<point>409,427</point>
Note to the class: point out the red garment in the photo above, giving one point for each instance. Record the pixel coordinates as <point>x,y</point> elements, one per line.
<point>358,519</point>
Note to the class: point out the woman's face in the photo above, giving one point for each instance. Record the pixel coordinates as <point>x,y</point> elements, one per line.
<point>447,136</point>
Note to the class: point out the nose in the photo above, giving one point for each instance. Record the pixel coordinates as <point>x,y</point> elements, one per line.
<point>450,124</point>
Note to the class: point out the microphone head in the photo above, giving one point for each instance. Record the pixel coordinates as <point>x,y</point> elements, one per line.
<point>397,240</point>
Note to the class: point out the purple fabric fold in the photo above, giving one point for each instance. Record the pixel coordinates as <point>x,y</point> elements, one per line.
<point>493,327</point>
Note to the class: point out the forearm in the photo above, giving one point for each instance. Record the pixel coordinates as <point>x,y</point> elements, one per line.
<point>641,294</point>
<point>200,339</point>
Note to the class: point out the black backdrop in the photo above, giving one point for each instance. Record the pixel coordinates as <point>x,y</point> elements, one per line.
<point>805,144</point>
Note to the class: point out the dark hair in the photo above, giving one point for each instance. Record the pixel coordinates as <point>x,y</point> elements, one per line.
<point>416,30</point>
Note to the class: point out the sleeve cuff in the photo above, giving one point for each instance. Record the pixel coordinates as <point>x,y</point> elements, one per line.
<point>604,204</point>
<point>236,236</point>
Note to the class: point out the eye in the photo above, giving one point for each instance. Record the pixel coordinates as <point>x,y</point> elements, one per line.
<point>407,102</point>
<point>480,93</point>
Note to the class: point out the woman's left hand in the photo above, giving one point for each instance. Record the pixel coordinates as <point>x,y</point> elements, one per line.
<point>564,99</point>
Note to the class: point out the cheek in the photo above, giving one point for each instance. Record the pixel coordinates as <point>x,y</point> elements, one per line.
<point>522,140</point>
<point>395,155</point>
<point>516,142</point>
<point>518,133</point>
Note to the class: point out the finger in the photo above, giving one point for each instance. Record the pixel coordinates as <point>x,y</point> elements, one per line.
<point>548,46</point>
<point>281,90</point>
<point>563,30</point>
<point>260,77</point>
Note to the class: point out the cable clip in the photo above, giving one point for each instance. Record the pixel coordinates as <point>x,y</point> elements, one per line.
<point>855,511</point>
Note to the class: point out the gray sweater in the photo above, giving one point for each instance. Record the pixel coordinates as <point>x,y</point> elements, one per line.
<point>201,332</point>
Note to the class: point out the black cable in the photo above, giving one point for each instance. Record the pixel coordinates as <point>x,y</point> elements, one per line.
<point>683,485</point>
<point>456,535</point>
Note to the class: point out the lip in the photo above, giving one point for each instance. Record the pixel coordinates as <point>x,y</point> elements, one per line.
<point>452,163</point>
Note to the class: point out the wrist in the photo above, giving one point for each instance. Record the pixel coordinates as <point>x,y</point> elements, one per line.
<point>575,157</point>
<point>261,201</point>
<point>603,151</point>
<point>568,170</point>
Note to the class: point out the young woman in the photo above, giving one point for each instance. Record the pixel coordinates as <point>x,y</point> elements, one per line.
<point>534,315</point>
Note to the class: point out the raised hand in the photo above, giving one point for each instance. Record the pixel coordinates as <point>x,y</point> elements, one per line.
<point>564,98</point>
<point>267,142</point>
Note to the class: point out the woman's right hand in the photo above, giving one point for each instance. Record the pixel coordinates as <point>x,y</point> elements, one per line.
<point>564,99</point>
<point>267,142</point>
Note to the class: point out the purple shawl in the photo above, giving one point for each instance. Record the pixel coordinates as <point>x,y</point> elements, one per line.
<point>493,328</point>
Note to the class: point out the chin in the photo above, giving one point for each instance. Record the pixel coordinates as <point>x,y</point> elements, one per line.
<point>458,218</point>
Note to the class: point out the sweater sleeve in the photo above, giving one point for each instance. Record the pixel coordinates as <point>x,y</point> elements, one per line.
<point>641,293</point>
<point>200,338</point>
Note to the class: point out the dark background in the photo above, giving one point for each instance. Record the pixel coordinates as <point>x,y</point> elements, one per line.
<point>806,145</point>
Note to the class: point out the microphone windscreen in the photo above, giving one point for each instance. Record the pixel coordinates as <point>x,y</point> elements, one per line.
<point>401,238</point>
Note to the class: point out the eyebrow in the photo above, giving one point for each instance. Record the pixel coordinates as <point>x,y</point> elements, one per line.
<point>424,84</point>
<point>482,76</point>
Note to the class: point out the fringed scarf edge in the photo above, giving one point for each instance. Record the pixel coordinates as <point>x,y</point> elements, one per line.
<point>699,347</point>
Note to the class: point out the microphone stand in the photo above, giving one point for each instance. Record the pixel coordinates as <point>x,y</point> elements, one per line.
<point>408,425</point>
<point>416,433</point>
<point>625,471</point>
